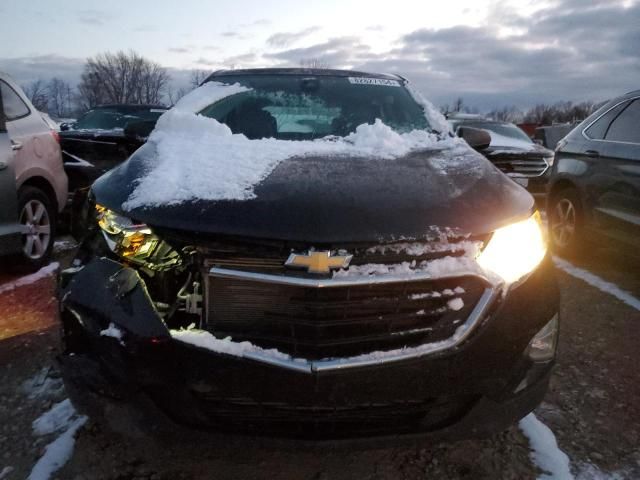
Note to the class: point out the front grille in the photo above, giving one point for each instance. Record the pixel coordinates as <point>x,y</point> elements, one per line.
<point>249,416</point>
<point>520,166</point>
<point>317,323</point>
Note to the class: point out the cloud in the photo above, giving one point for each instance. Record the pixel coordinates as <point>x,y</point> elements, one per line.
<point>94,17</point>
<point>339,52</point>
<point>27,69</point>
<point>564,50</point>
<point>287,38</point>
<point>261,22</point>
<point>185,49</point>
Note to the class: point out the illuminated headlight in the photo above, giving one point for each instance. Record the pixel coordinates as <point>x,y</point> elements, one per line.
<point>515,250</point>
<point>134,241</point>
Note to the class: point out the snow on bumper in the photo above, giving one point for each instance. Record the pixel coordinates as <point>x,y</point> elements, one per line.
<point>227,392</point>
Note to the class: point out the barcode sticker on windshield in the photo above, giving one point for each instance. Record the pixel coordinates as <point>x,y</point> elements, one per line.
<point>374,81</point>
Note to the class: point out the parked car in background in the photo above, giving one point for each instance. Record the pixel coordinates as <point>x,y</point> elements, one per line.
<point>309,254</point>
<point>595,182</point>
<point>103,138</point>
<point>513,152</point>
<point>40,179</point>
<point>550,135</point>
<point>10,231</point>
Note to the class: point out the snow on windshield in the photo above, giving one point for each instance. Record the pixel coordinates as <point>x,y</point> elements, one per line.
<point>200,158</point>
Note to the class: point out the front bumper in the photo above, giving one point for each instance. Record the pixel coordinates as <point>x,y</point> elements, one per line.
<point>469,390</point>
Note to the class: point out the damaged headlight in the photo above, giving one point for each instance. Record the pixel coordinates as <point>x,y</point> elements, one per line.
<point>515,250</point>
<point>134,241</point>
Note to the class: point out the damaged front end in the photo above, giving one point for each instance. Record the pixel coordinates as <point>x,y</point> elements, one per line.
<point>218,333</point>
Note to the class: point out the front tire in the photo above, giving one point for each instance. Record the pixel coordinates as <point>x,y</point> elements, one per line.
<point>37,221</point>
<point>566,222</point>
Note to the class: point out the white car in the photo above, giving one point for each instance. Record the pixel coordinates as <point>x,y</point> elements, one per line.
<point>36,160</point>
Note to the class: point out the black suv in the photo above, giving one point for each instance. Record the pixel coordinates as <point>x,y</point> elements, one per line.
<point>513,152</point>
<point>595,185</point>
<point>103,138</point>
<point>310,254</point>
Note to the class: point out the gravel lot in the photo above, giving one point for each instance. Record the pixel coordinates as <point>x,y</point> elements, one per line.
<point>593,406</point>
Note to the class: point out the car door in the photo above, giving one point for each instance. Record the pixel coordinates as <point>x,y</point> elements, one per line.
<point>9,227</point>
<point>617,186</point>
<point>17,114</point>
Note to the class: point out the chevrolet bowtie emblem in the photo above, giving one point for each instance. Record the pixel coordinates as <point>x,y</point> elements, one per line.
<point>318,261</point>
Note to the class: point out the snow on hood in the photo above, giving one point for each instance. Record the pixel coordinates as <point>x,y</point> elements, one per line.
<point>200,158</point>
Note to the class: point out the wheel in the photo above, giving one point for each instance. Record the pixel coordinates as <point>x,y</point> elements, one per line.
<point>566,222</point>
<point>37,221</point>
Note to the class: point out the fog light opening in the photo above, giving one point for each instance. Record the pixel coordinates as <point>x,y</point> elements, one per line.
<point>542,347</point>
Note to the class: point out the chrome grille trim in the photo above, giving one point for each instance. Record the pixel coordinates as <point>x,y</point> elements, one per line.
<point>487,299</point>
<point>521,168</point>
<point>332,282</point>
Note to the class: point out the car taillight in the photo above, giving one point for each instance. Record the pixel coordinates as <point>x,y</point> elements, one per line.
<point>55,135</point>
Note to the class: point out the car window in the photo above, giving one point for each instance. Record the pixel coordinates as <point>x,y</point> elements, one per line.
<point>598,130</point>
<point>626,126</point>
<point>289,107</point>
<point>113,119</point>
<point>14,107</point>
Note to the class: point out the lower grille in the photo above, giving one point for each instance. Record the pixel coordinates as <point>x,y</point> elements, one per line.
<point>520,166</point>
<point>317,323</point>
<point>249,416</point>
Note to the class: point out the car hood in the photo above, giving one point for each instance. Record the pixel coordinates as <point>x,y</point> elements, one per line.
<point>324,199</point>
<point>527,149</point>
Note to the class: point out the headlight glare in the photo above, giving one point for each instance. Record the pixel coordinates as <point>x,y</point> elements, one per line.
<point>515,250</point>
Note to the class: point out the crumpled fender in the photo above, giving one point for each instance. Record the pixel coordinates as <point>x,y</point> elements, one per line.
<point>104,292</point>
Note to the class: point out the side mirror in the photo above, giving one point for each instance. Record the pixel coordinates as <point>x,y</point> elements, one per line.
<point>477,138</point>
<point>64,127</point>
<point>139,130</point>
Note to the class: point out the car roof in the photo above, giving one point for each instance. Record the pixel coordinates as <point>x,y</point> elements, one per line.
<point>130,106</point>
<point>303,71</point>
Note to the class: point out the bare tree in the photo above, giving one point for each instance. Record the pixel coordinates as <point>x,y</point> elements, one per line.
<point>121,78</point>
<point>197,77</point>
<point>317,63</point>
<point>60,98</point>
<point>507,114</point>
<point>458,105</point>
<point>36,91</point>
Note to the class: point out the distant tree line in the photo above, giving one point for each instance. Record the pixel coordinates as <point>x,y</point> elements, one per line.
<point>542,114</point>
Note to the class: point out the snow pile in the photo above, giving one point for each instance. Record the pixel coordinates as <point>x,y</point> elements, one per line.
<point>597,282</point>
<point>438,268</point>
<point>42,385</point>
<point>203,339</point>
<point>58,417</point>
<point>112,331</point>
<point>417,249</point>
<point>434,117</point>
<point>545,451</point>
<point>32,278</point>
<point>199,158</point>
<point>455,304</point>
<point>61,417</point>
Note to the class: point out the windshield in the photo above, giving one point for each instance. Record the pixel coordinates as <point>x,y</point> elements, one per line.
<point>294,107</point>
<point>503,129</point>
<point>113,118</point>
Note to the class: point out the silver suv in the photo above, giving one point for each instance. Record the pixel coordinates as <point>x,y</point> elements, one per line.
<point>35,158</point>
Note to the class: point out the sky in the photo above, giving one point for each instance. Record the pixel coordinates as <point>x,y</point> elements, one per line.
<point>492,53</point>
